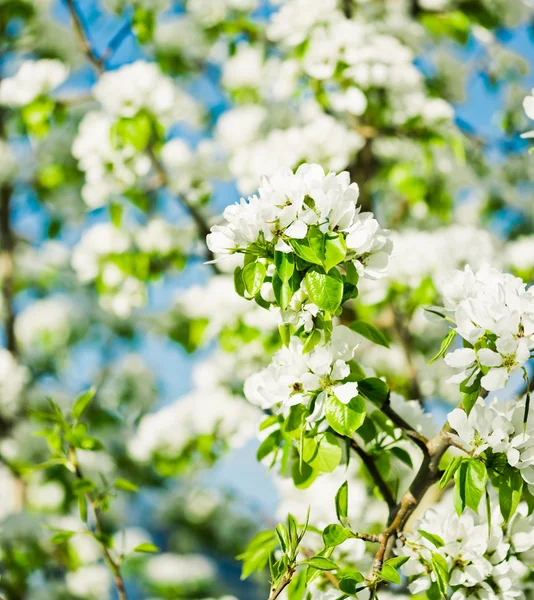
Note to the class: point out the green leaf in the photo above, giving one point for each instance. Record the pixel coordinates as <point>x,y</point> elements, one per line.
<point>432,538</point>
<point>285,333</point>
<point>239,284</point>
<point>388,573</point>
<point>311,341</point>
<point>257,553</point>
<point>345,419</point>
<point>82,402</point>
<point>322,452</point>
<point>253,277</point>
<point>82,486</point>
<point>311,248</point>
<point>451,469</point>
<point>374,389</point>
<point>402,455</point>
<point>335,534</point>
<point>284,263</point>
<point>335,250</point>
<point>283,537</point>
<point>444,346</point>
<point>82,508</point>
<point>326,291</point>
<point>61,537</point>
<point>115,213</point>
<point>441,570</point>
<point>284,290</point>
<point>342,501</point>
<point>131,131</point>
<point>510,493</point>
<point>125,485</point>
<point>349,583</point>
<point>370,332</point>
<point>397,561</point>
<point>321,563</point>
<point>471,484</point>
<point>269,444</point>
<point>146,547</point>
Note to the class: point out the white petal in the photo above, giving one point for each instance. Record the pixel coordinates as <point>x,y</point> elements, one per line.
<point>495,379</point>
<point>489,358</point>
<point>346,392</point>
<point>461,358</point>
<point>297,230</point>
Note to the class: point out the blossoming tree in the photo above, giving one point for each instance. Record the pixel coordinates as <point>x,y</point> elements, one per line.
<point>362,318</point>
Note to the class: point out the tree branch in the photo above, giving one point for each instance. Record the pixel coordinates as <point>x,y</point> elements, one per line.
<point>83,36</point>
<point>201,224</point>
<point>371,467</point>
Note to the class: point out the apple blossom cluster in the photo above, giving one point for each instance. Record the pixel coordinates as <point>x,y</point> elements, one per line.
<point>356,55</point>
<point>291,207</point>
<point>34,78</point>
<point>137,103</point>
<point>494,314</point>
<point>499,429</point>
<point>485,559</point>
<point>256,146</point>
<point>171,434</point>
<point>215,307</point>
<point>311,379</point>
<point>119,261</point>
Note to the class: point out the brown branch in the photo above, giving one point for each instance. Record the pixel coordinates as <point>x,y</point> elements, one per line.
<point>425,478</point>
<point>371,467</point>
<point>201,224</point>
<point>284,582</point>
<point>418,439</point>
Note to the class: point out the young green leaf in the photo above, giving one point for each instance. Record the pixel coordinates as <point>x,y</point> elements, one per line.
<point>335,534</point>
<point>433,538</point>
<point>374,389</point>
<point>284,263</point>
<point>125,485</point>
<point>342,501</point>
<point>451,469</point>
<point>370,332</point>
<point>146,547</point>
<point>82,402</point>
<point>321,563</point>
<point>335,250</point>
<point>345,419</point>
<point>253,277</point>
<point>444,346</point>
<point>326,291</point>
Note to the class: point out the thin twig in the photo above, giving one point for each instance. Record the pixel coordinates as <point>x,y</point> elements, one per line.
<point>83,36</point>
<point>110,561</point>
<point>116,41</point>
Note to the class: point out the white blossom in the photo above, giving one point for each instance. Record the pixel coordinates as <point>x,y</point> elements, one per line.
<point>494,302</point>
<point>486,561</point>
<point>500,428</point>
<point>92,582</point>
<point>33,79</point>
<point>296,378</point>
<point>288,203</point>
<point>201,412</point>
<point>142,86</point>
